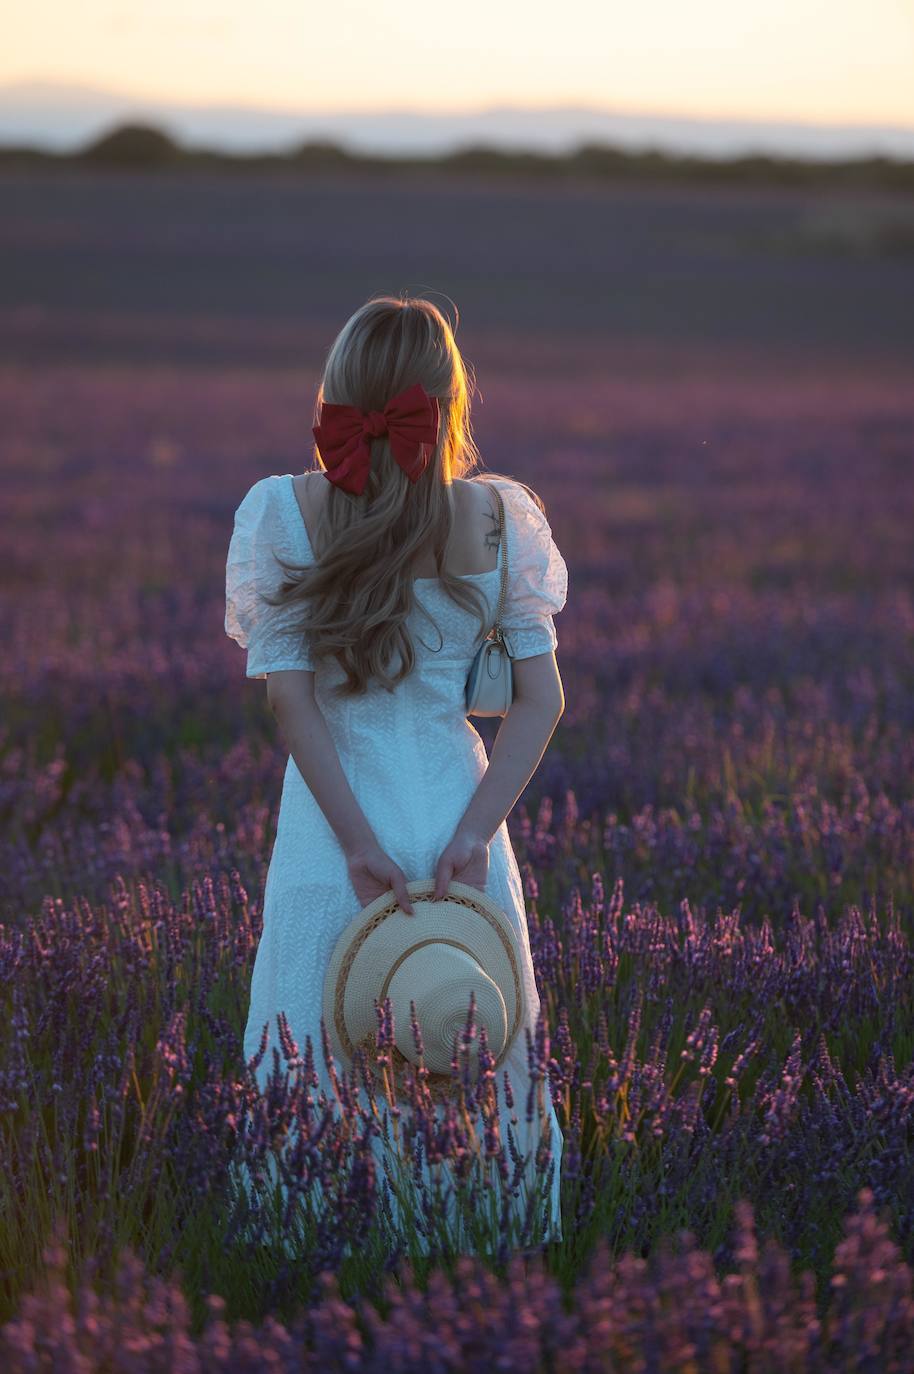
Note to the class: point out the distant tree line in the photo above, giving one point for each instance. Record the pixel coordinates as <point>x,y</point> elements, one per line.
<point>145,147</point>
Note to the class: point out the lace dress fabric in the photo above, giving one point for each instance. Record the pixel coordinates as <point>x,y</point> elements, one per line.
<point>413,760</point>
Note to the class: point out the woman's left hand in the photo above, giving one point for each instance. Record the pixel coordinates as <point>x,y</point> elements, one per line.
<point>372,871</point>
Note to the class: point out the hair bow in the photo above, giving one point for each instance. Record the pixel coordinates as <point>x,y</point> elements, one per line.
<point>344,437</point>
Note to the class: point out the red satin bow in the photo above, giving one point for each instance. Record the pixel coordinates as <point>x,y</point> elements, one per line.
<point>345,433</point>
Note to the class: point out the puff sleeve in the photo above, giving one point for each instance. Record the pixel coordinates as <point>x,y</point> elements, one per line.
<point>263,528</point>
<point>537,586</point>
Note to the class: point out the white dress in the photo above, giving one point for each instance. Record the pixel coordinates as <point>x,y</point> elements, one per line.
<point>413,760</point>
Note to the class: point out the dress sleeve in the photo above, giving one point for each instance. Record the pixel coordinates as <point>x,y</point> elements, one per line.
<point>271,634</point>
<point>537,585</point>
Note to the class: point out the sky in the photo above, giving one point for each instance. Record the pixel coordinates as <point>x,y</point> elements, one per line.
<point>824,61</point>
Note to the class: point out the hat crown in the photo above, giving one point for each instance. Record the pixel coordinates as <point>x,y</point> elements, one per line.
<point>439,977</point>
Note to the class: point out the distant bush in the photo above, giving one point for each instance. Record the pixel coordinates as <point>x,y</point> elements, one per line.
<point>142,146</point>
<point>133,145</point>
<point>319,152</point>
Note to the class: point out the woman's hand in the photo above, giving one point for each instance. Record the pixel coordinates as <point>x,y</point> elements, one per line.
<point>466,859</point>
<point>372,872</point>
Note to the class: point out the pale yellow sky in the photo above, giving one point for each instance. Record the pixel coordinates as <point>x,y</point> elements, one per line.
<point>819,60</point>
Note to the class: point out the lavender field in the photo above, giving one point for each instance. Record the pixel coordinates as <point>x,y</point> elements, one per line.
<point>718,848</point>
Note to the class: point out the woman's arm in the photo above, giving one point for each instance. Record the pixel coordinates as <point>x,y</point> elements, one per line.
<point>520,743</point>
<point>304,730</point>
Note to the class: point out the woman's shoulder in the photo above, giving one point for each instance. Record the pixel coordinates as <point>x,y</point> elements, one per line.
<point>532,552</point>
<point>264,494</point>
<point>270,509</point>
<point>537,583</point>
<point>525,510</point>
<point>511,487</point>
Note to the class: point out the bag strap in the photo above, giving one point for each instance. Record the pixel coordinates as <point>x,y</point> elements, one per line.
<point>504,564</point>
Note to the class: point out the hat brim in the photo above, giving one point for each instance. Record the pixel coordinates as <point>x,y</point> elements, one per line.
<point>375,942</point>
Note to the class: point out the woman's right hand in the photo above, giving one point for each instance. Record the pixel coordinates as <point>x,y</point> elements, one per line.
<point>372,871</point>
<point>464,860</point>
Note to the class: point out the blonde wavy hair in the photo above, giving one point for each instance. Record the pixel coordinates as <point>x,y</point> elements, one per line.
<point>358,594</point>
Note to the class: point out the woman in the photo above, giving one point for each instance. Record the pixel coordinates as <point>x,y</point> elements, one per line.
<point>361,591</point>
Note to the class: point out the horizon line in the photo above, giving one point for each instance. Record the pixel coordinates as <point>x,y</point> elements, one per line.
<point>426,112</point>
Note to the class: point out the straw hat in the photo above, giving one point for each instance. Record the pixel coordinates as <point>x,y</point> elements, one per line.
<point>434,958</point>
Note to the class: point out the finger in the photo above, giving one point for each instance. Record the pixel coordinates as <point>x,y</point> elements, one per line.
<point>403,897</point>
<point>443,875</point>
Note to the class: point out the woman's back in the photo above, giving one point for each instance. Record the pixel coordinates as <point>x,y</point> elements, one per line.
<point>474,537</point>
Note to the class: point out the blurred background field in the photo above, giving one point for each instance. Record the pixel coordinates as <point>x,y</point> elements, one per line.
<point>168,266</point>
<point>709,385</point>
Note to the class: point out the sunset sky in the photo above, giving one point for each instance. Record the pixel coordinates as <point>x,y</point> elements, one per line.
<point>817,60</point>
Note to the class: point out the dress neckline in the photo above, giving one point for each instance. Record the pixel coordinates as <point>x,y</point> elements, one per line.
<point>461,577</point>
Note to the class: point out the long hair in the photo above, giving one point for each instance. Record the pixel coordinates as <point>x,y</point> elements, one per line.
<point>357,595</point>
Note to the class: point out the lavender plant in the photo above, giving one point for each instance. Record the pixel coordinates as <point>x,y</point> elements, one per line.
<point>671,1312</point>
